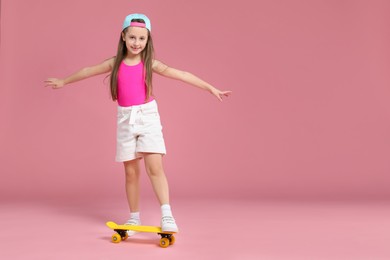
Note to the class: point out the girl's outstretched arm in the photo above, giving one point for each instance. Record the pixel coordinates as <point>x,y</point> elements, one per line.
<point>163,70</point>
<point>104,67</point>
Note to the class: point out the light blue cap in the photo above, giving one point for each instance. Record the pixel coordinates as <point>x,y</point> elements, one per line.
<point>130,17</point>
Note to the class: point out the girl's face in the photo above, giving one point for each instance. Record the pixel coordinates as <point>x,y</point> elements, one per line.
<point>135,39</point>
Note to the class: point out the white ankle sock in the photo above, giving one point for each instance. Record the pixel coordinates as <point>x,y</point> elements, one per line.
<point>134,215</point>
<point>166,210</point>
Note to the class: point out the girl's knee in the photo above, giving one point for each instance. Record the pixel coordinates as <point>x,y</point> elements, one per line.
<point>154,170</point>
<point>132,175</point>
<point>131,171</point>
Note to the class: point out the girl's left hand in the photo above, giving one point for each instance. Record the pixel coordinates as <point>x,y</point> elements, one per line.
<point>219,94</point>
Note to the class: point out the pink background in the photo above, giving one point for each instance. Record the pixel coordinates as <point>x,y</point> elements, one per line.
<point>308,118</point>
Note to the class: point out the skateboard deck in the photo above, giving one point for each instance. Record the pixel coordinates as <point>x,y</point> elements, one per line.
<point>166,240</point>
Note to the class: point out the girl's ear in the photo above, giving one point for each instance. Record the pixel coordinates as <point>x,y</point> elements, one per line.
<point>123,36</point>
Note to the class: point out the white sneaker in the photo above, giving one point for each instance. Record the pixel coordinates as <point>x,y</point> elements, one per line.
<point>133,222</point>
<point>168,224</point>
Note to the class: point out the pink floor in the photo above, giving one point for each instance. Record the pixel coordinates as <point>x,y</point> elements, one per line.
<point>210,229</point>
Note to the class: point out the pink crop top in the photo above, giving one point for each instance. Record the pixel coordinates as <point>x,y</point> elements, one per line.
<point>131,85</point>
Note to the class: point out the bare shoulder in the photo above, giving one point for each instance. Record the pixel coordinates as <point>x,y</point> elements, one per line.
<point>159,66</point>
<point>109,62</point>
<point>104,66</point>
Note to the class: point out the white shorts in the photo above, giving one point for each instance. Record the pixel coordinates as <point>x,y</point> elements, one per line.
<point>139,131</point>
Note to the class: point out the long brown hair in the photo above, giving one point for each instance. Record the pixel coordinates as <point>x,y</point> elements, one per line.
<point>147,57</point>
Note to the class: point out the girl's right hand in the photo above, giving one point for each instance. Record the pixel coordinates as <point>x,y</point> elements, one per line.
<point>54,83</point>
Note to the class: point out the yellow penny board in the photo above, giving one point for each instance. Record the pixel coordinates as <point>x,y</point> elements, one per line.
<point>167,238</point>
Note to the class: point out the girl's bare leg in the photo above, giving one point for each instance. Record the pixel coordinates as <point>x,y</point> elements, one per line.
<point>154,168</point>
<point>132,172</point>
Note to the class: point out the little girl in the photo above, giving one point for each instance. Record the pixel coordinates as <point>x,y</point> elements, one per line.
<point>139,131</point>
